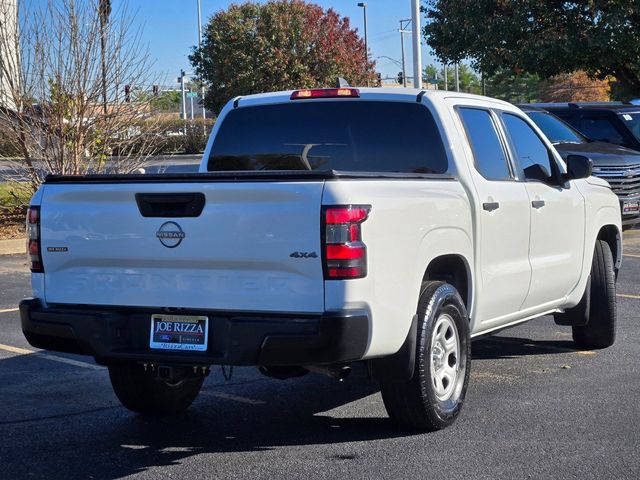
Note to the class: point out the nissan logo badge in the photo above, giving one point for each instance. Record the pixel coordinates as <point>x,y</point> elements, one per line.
<point>170,234</point>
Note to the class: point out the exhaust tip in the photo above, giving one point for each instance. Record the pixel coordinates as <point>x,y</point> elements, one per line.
<point>337,372</point>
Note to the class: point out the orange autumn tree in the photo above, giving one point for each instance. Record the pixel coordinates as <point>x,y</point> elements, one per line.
<point>575,87</point>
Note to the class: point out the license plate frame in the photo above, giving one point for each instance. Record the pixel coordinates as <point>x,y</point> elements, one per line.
<point>629,207</point>
<point>179,332</point>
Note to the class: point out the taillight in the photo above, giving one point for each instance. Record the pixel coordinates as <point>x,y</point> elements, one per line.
<point>344,253</point>
<point>34,250</point>
<point>325,93</point>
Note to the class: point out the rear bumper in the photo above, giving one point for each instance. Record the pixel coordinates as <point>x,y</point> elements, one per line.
<point>235,338</point>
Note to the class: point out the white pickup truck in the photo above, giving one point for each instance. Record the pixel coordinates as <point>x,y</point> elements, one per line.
<point>326,227</point>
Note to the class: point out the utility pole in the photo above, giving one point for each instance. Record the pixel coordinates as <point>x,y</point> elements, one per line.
<point>417,53</point>
<point>366,43</point>
<point>204,113</point>
<point>184,102</point>
<point>191,100</point>
<point>457,72</point>
<point>446,79</point>
<point>104,11</point>
<point>403,30</point>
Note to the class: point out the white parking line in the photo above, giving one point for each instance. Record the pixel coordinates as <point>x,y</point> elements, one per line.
<point>45,356</point>
<point>7,310</point>
<point>627,295</point>
<point>630,255</point>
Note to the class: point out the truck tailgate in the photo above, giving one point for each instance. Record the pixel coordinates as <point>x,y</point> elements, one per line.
<point>99,249</point>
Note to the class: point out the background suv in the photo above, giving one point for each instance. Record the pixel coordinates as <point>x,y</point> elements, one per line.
<point>605,128</point>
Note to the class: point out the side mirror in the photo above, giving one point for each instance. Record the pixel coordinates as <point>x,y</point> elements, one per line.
<point>578,166</point>
<point>537,172</point>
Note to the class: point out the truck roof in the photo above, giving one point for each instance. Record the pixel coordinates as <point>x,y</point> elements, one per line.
<point>389,94</point>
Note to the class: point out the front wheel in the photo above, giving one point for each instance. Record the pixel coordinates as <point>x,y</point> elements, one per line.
<point>141,392</point>
<point>433,398</point>
<point>600,329</point>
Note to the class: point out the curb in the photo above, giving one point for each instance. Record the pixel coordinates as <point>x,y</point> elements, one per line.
<point>13,246</point>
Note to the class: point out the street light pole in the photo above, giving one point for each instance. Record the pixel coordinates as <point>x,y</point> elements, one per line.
<point>182,94</point>
<point>446,80</point>
<point>366,43</point>
<point>191,100</point>
<point>204,113</point>
<point>104,11</point>
<point>402,31</point>
<point>457,72</point>
<point>417,53</point>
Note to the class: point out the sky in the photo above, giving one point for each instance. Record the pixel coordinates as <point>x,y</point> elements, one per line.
<point>170,28</point>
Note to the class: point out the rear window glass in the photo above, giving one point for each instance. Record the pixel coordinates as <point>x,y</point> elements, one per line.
<point>348,136</point>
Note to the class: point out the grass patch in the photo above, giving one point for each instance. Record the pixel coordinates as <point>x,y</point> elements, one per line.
<point>15,194</point>
<point>14,198</point>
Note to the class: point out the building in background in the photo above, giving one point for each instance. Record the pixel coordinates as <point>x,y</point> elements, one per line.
<point>9,55</point>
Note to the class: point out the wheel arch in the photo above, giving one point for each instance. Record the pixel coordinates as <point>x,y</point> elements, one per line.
<point>446,254</point>
<point>453,269</point>
<point>611,234</point>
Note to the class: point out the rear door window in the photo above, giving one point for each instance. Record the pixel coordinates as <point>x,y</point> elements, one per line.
<point>488,153</point>
<point>345,135</point>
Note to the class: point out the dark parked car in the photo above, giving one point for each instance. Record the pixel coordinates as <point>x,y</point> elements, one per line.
<point>618,165</point>
<point>611,122</point>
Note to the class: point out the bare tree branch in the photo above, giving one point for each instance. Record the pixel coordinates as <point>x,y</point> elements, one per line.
<point>58,64</point>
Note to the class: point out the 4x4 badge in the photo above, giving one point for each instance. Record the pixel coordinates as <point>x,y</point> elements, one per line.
<point>304,255</point>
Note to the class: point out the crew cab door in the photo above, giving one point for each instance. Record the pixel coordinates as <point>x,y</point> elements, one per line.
<point>503,219</point>
<point>556,243</point>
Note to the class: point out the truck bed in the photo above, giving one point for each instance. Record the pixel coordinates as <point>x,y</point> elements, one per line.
<point>238,176</point>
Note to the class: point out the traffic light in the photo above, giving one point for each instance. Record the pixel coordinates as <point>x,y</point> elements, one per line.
<point>156,90</point>
<point>400,78</point>
<point>127,93</point>
<point>379,79</point>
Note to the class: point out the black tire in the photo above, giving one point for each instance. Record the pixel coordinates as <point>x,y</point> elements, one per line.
<point>415,405</point>
<point>141,392</point>
<point>600,330</point>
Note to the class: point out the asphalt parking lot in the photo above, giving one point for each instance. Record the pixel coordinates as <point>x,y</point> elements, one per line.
<point>536,408</point>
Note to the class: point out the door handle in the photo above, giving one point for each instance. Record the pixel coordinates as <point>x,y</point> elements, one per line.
<point>537,203</point>
<point>490,206</point>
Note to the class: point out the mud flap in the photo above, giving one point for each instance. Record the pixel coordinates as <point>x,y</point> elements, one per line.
<point>577,316</point>
<point>400,365</point>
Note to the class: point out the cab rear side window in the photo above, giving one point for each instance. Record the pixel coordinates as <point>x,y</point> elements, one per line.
<point>600,129</point>
<point>344,135</point>
<point>488,152</point>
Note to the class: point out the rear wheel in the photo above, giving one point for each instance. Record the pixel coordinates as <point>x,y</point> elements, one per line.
<point>433,398</point>
<point>600,330</point>
<point>141,392</point>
